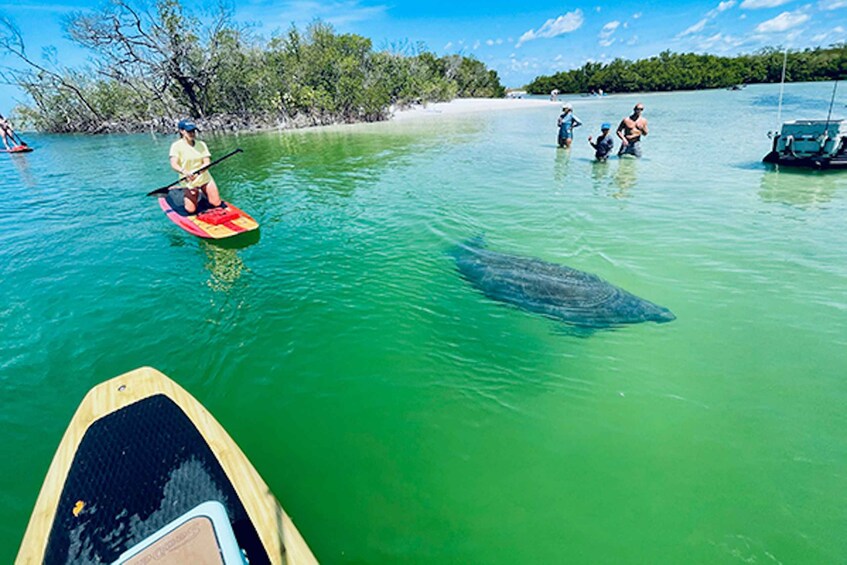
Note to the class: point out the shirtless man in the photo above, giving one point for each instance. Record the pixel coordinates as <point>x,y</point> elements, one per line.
<point>630,131</point>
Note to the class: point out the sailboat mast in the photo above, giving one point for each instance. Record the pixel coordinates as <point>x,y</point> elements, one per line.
<point>781,88</point>
<point>831,102</point>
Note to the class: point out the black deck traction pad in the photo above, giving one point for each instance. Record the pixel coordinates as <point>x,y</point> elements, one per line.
<point>136,470</point>
<point>176,200</point>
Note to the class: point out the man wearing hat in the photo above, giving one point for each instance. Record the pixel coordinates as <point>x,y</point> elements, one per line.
<point>187,155</point>
<point>567,121</point>
<point>605,143</point>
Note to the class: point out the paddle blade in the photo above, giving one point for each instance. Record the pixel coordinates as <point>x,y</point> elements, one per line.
<point>160,191</point>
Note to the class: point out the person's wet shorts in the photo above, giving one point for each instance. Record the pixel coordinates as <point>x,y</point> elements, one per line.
<point>633,149</point>
<point>193,194</point>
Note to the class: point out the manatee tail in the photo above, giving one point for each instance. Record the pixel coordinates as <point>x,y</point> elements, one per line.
<point>463,248</point>
<point>476,242</point>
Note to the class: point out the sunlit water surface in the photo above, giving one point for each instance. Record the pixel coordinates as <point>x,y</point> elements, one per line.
<point>398,414</point>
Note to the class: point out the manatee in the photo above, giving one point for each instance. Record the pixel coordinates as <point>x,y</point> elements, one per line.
<point>575,297</point>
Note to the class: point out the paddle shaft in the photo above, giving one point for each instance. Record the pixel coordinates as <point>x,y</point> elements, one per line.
<point>165,189</point>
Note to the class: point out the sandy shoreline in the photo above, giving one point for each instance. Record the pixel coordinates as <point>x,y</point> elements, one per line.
<point>469,106</point>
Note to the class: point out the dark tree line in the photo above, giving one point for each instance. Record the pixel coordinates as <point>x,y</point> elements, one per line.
<point>688,71</point>
<point>153,66</point>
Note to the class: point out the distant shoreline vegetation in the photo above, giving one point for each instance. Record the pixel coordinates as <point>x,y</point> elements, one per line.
<point>151,68</point>
<point>688,71</point>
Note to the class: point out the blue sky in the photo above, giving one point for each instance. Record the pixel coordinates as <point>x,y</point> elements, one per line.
<point>519,39</point>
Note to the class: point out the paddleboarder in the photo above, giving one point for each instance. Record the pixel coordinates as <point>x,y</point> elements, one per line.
<point>7,133</point>
<point>187,155</point>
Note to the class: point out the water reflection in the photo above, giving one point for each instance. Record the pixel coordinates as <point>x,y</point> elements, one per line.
<point>21,163</point>
<point>626,177</point>
<point>803,189</point>
<point>600,171</point>
<point>560,168</point>
<point>225,267</point>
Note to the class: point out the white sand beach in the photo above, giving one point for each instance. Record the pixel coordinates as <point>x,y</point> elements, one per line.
<point>469,105</point>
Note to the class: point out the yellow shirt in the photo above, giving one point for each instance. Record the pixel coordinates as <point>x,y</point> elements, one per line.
<point>190,159</point>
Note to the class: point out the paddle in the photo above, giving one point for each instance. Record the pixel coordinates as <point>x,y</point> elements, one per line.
<point>165,189</point>
<point>15,137</point>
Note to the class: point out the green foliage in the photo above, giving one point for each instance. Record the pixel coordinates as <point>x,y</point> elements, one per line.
<point>687,71</point>
<point>151,68</point>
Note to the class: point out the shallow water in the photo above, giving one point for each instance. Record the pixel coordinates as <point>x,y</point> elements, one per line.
<point>401,416</point>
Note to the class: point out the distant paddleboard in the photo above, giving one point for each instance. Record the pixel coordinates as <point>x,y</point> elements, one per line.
<point>17,149</point>
<point>144,474</point>
<point>209,223</point>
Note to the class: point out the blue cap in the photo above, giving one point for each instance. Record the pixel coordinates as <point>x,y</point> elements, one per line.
<point>187,125</point>
<point>606,125</point>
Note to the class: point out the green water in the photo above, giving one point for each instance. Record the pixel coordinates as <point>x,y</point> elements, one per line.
<point>398,414</point>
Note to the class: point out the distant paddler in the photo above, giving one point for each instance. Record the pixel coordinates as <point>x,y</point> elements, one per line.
<point>8,134</point>
<point>567,122</point>
<point>630,131</point>
<point>189,154</point>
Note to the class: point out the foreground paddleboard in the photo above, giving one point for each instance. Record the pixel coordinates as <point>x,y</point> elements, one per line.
<point>210,223</point>
<point>144,474</point>
<point>17,149</point>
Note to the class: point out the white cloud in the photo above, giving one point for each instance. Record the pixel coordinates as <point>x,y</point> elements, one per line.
<point>836,33</point>
<point>742,17</point>
<point>636,15</point>
<point>476,44</point>
<point>783,22</point>
<point>719,42</point>
<point>489,42</point>
<point>605,35</point>
<point>710,15</point>
<point>696,28</point>
<point>633,40</point>
<point>335,12</point>
<point>757,4</point>
<point>824,5</point>
<point>609,28</point>
<point>566,23</point>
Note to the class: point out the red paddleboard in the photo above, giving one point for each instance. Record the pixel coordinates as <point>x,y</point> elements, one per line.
<point>210,223</point>
<point>18,149</point>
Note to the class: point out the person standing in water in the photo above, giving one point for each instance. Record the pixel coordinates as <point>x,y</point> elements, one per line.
<point>567,122</point>
<point>604,145</point>
<point>630,131</point>
<point>187,155</point>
